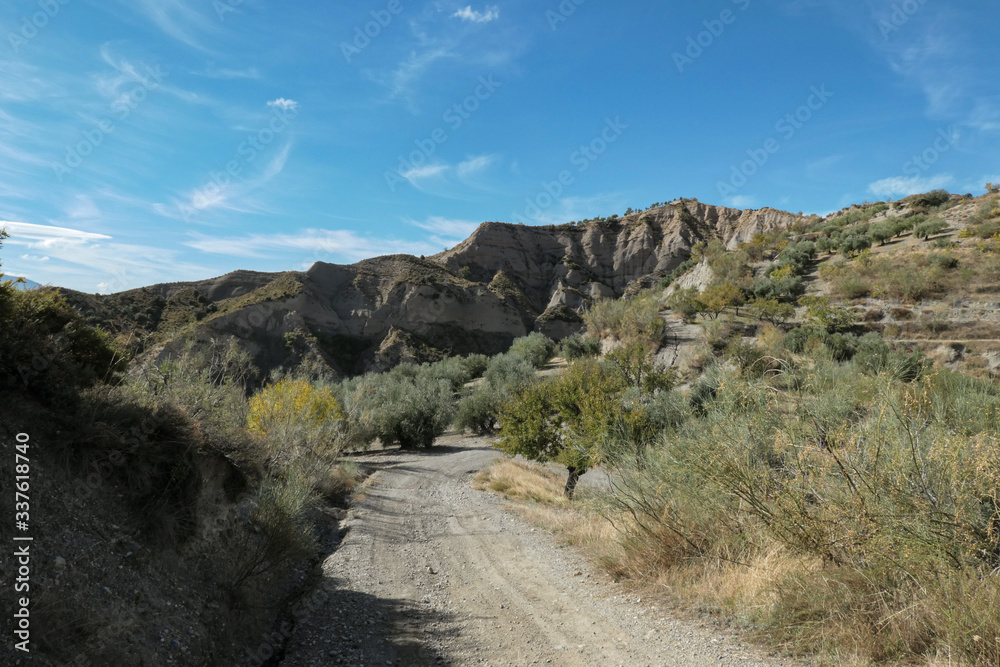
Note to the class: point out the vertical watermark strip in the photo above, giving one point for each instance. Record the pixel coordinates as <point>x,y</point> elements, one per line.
<point>22,551</point>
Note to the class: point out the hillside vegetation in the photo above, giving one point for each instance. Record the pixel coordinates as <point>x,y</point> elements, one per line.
<point>799,414</point>
<point>820,472</point>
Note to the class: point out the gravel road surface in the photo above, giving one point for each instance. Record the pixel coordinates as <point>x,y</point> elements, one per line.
<point>433,572</point>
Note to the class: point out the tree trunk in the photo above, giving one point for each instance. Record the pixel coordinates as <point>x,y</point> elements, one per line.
<point>571,480</point>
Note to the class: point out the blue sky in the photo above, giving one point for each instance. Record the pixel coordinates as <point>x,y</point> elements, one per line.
<point>145,141</point>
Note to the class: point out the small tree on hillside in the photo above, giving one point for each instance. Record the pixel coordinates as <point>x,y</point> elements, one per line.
<point>562,420</point>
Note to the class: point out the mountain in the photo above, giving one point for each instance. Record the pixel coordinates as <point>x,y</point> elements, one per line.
<point>504,281</point>
<point>26,285</point>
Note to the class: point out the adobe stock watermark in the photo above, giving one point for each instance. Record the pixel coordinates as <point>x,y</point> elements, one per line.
<point>899,16</point>
<point>363,35</point>
<point>224,7</point>
<point>283,112</point>
<point>38,21</point>
<point>453,117</point>
<point>565,9</point>
<point>121,109</point>
<point>787,126</point>
<point>714,28</point>
<point>582,158</point>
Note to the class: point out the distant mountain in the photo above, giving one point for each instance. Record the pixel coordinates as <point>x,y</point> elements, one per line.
<point>504,281</point>
<point>26,285</point>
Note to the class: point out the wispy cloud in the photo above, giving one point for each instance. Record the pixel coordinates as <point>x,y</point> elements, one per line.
<point>901,186</point>
<point>214,72</point>
<point>742,201</point>
<point>473,16</point>
<point>447,179</point>
<point>312,245</point>
<point>183,20</point>
<point>87,260</point>
<point>445,232</point>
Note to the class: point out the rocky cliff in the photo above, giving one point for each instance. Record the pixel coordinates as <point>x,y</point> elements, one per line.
<point>503,282</point>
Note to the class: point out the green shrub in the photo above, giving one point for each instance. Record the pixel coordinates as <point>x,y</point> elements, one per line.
<point>280,512</point>
<point>479,410</point>
<point>509,370</point>
<point>931,199</point>
<point>535,347</point>
<point>927,229</point>
<point>577,347</point>
<point>842,347</point>
<point>628,320</point>
<point>854,244</point>
<point>687,303</point>
<point>47,347</point>
<point>798,338</point>
<point>409,411</point>
<point>944,261</point>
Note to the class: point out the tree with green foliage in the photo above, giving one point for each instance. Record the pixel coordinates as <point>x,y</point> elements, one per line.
<point>822,314</point>
<point>687,302</point>
<point>505,375</point>
<point>928,229</point>
<point>720,296</point>
<point>771,310</point>
<point>881,234</point>
<point>855,244</point>
<point>563,419</point>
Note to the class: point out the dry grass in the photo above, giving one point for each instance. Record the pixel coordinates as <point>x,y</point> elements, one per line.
<point>518,480</point>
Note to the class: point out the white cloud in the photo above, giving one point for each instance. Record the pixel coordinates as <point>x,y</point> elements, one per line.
<point>409,71</point>
<point>38,236</point>
<point>318,245</point>
<point>86,260</point>
<point>445,228</point>
<point>979,185</point>
<point>471,15</point>
<point>903,186</point>
<point>742,201</point>
<point>235,196</point>
<point>446,179</point>
<point>180,19</point>
<point>284,104</point>
<point>475,165</point>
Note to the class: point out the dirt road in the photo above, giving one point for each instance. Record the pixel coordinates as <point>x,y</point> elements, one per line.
<point>433,572</point>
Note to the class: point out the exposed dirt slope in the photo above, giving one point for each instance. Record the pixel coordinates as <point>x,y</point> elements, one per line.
<point>432,572</point>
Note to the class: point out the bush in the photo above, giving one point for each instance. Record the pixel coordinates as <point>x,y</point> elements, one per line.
<point>47,347</point>
<point>635,319</point>
<point>409,411</point>
<point>280,511</point>
<point>295,413</point>
<point>506,375</point>
<point>944,261</point>
<point>687,303</point>
<point>536,348</point>
<point>931,199</point>
<point>930,228</point>
<point>842,347</point>
<point>872,354</point>
<point>577,347</point>
<point>798,339</point>
<point>854,244</point>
